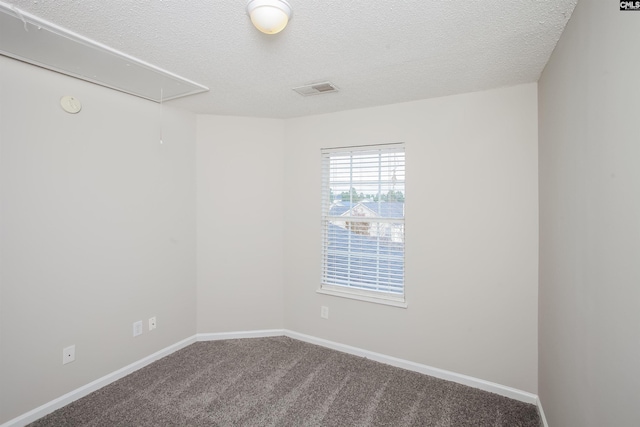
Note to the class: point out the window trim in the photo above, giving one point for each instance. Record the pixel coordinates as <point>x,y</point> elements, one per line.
<point>378,297</point>
<point>359,295</point>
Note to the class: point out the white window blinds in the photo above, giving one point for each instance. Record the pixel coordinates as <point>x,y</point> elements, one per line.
<point>363,198</point>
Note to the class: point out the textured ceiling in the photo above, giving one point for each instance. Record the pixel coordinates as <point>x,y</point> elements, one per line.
<point>376,51</point>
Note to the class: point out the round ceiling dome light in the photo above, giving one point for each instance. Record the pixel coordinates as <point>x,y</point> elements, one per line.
<point>269,16</point>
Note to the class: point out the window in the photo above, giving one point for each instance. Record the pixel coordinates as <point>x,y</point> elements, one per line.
<point>363,198</point>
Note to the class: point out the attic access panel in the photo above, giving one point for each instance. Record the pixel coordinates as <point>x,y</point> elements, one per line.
<point>28,38</point>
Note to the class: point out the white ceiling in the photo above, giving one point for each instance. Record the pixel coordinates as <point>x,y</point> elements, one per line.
<point>376,51</point>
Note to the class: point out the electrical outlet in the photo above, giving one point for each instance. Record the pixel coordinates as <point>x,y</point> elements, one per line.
<point>137,328</point>
<point>152,323</point>
<point>324,312</point>
<point>68,354</point>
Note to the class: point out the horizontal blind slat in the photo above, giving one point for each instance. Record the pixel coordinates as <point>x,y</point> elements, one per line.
<point>363,244</point>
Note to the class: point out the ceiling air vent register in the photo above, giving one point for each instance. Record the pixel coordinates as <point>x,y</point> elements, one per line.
<point>316,89</point>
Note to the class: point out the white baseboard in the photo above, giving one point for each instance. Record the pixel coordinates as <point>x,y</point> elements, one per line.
<point>78,393</point>
<point>240,334</point>
<point>502,390</point>
<point>541,412</point>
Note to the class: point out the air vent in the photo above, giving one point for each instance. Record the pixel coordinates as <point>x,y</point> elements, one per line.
<point>316,89</point>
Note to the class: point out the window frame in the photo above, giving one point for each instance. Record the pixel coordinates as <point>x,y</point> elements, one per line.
<point>386,297</point>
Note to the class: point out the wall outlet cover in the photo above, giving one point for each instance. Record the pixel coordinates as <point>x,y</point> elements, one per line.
<point>68,354</point>
<point>137,328</point>
<point>324,312</point>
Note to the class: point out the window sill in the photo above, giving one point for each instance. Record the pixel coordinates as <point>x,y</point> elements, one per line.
<point>360,297</point>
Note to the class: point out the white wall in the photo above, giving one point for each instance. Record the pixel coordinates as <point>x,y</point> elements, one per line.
<point>471,242</point>
<point>97,230</point>
<point>240,200</point>
<point>590,221</point>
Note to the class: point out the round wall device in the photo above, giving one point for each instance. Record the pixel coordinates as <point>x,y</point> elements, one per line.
<point>70,104</point>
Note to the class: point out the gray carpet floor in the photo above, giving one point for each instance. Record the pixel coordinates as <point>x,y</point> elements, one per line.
<point>284,382</point>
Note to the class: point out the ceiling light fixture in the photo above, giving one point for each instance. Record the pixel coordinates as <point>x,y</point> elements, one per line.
<point>269,16</point>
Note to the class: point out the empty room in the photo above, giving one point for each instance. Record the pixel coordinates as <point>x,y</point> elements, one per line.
<point>331,213</point>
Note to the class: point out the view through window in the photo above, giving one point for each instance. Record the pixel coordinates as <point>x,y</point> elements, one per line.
<point>363,199</point>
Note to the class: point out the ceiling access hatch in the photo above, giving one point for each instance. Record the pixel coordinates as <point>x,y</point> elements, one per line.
<point>30,39</point>
<point>316,89</point>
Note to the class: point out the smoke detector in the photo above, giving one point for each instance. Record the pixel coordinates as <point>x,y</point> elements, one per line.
<point>316,89</point>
